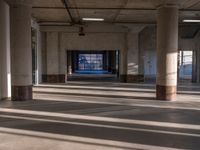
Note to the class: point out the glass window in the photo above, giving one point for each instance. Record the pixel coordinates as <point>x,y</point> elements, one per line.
<point>90,62</point>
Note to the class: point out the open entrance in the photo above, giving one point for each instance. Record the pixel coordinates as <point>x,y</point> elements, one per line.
<point>185,66</point>
<point>34,55</point>
<point>92,65</point>
<point>150,66</point>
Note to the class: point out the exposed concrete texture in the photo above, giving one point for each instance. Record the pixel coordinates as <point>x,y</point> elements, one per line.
<point>102,40</point>
<point>167,49</point>
<point>147,42</point>
<point>101,116</point>
<point>133,51</point>
<point>35,25</point>
<point>99,36</point>
<point>90,27</point>
<point>147,48</point>
<point>147,14</point>
<point>93,41</point>
<point>39,59</point>
<point>5,79</point>
<point>150,64</point>
<point>147,39</point>
<point>21,52</point>
<point>134,55</point>
<point>123,60</point>
<point>63,55</point>
<point>186,44</point>
<point>44,52</point>
<point>197,52</point>
<point>21,45</point>
<point>52,53</point>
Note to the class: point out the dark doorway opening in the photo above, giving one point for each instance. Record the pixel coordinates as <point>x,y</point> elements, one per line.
<point>34,55</point>
<point>92,65</point>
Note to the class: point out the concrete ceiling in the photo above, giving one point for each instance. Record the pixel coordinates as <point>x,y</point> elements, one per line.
<point>115,11</point>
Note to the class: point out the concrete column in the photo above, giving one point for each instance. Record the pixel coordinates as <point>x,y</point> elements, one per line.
<point>198,66</point>
<point>124,61</point>
<point>112,63</point>
<point>69,62</point>
<point>133,58</point>
<point>44,55</point>
<point>21,52</point>
<point>167,49</point>
<point>194,66</point>
<point>52,57</point>
<point>5,85</point>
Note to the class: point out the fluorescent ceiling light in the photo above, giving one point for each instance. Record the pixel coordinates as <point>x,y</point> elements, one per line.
<point>92,19</point>
<point>191,20</point>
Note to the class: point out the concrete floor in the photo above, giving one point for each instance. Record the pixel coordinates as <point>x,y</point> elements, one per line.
<point>101,116</point>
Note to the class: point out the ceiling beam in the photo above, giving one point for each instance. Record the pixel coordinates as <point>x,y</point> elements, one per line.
<point>76,10</point>
<point>123,5</point>
<point>63,23</point>
<point>194,4</point>
<point>109,8</point>
<point>68,11</point>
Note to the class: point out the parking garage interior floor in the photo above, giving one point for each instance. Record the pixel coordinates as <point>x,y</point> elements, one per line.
<point>101,116</point>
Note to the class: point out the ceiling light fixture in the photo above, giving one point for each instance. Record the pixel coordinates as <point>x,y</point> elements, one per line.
<point>92,19</point>
<point>191,20</point>
<point>81,31</point>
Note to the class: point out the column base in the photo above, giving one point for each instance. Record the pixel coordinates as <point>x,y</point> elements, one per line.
<point>135,78</point>
<point>5,98</point>
<point>22,93</point>
<point>131,78</point>
<point>167,93</point>
<point>60,78</point>
<point>123,78</point>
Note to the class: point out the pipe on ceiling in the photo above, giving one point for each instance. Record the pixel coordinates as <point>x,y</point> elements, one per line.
<point>68,10</point>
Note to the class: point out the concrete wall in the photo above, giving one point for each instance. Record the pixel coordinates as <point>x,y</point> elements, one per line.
<point>147,49</point>
<point>133,53</point>
<point>52,53</point>
<point>21,51</point>
<point>150,64</point>
<point>39,60</point>
<point>39,51</point>
<point>43,53</point>
<point>197,60</point>
<point>97,37</point>
<point>139,42</point>
<point>91,41</point>
<point>5,80</point>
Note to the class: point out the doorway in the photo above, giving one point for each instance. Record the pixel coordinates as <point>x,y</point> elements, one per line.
<point>92,64</point>
<point>185,65</point>
<point>34,55</point>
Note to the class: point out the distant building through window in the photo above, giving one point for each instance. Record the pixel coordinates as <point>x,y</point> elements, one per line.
<point>185,64</point>
<point>90,62</point>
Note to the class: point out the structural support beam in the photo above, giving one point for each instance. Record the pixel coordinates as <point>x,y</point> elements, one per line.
<point>197,67</point>
<point>123,61</point>
<point>69,66</point>
<point>21,53</point>
<point>167,49</point>
<point>5,86</point>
